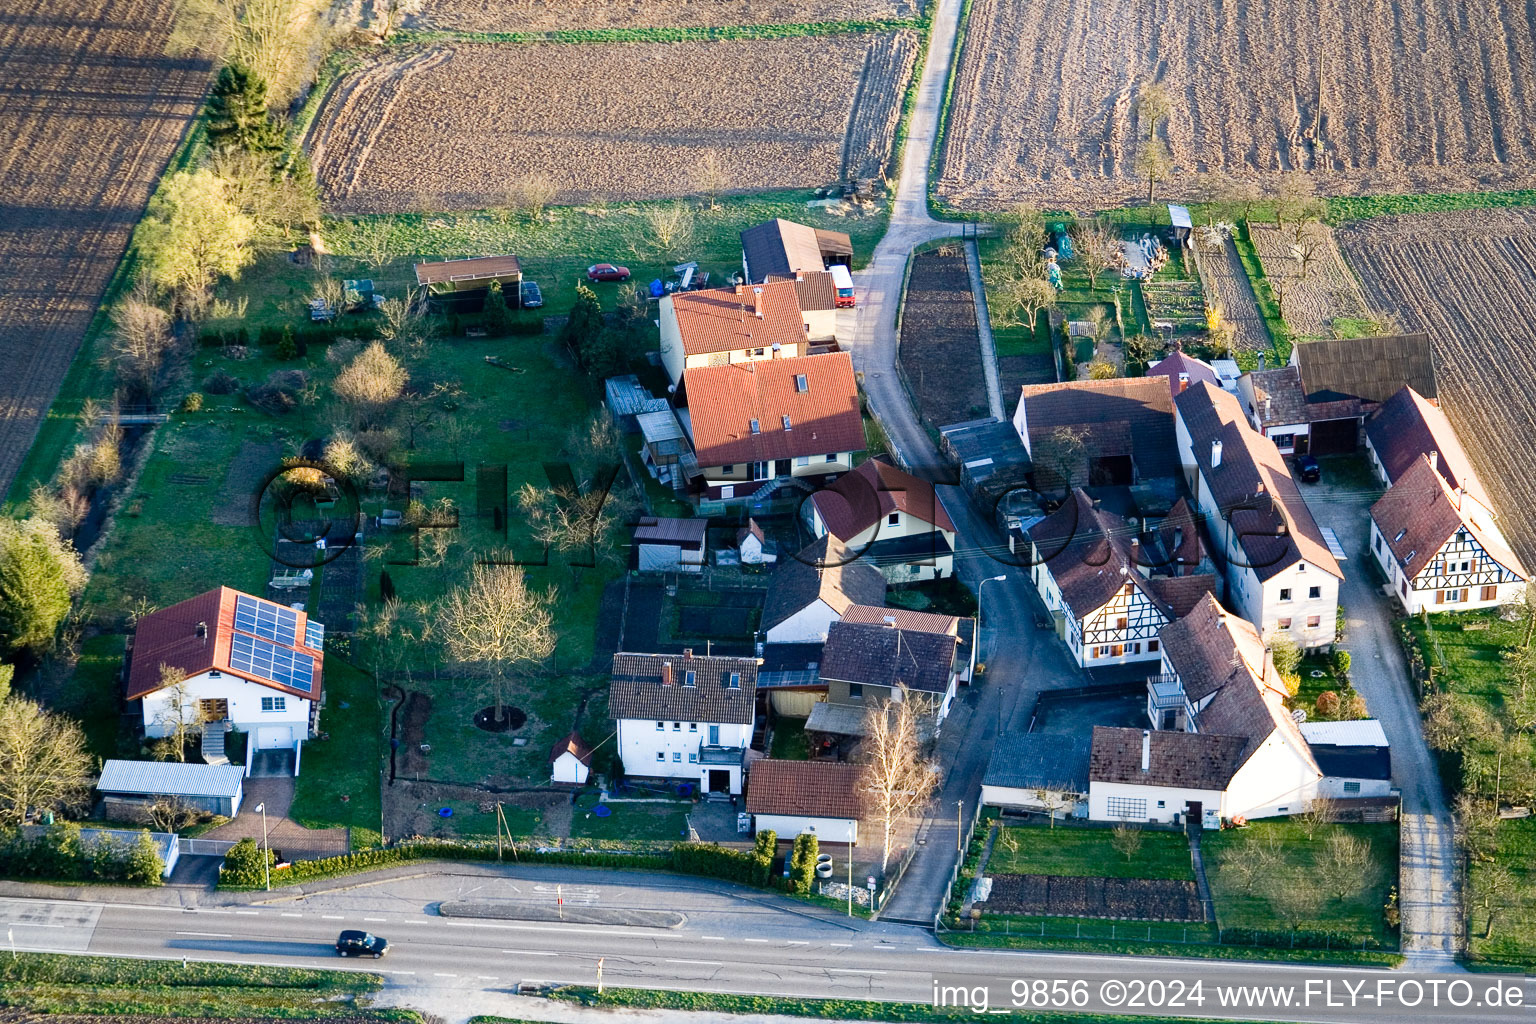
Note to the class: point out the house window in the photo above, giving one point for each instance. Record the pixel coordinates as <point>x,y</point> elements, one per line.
<point>802,460</point>
<point>274,703</point>
<point>1285,593</point>
<point>1126,808</point>
<point>1313,621</point>
<point>714,735</point>
<point>1378,545</point>
<point>1120,624</point>
<point>660,726</point>
<point>735,681</point>
<point>660,756</point>
<point>1161,804</point>
<point>1285,440</point>
<point>1314,592</point>
<point>832,457</point>
<point>1284,623</point>
<point>1301,566</point>
<point>677,757</point>
<point>1352,787</point>
<point>693,758</point>
<point>1489,594</point>
<point>1283,810</point>
<point>1152,645</point>
<point>727,470</point>
<point>894,519</point>
<point>856,691</point>
<point>693,726</point>
<point>756,427</point>
<point>677,726</point>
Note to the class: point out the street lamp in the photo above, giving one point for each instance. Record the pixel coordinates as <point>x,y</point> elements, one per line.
<point>959,826</point>
<point>850,867</point>
<point>266,848</point>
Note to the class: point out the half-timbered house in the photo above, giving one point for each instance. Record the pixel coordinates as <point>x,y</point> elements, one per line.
<point>1440,548</point>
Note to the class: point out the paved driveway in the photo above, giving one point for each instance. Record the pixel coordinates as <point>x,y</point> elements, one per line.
<point>1432,921</point>
<point>294,840</point>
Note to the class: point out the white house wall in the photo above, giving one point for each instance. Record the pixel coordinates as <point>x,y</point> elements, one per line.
<point>827,830</point>
<point>1161,802</point>
<point>1333,787</point>
<point>1418,595</point>
<point>807,626</point>
<point>244,699</point>
<point>640,742</point>
<point>1275,780</point>
<point>569,769</point>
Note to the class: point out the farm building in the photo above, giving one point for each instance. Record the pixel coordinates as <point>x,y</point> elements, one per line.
<point>794,797</point>
<point>784,247</point>
<point>1037,772</point>
<point>1441,549</point>
<point>1408,426</point>
<point>1222,743</point>
<point>990,456</point>
<point>890,518</point>
<point>460,285</point>
<point>731,325</point>
<point>1126,425</point>
<point>250,664</point>
<point>670,545</point>
<point>570,761</point>
<point>1354,757</point>
<point>811,591</point>
<point>133,786</point>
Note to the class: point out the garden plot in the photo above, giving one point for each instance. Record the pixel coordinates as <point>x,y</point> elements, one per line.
<point>940,353</point>
<point>457,127</point>
<point>1466,279</point>
<point>1369,96</point>
<point>1142,899</point>
<point>553,15</point>
<point>1310,273</point>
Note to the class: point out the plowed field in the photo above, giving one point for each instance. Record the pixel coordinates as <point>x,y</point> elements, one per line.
<point>1467,279</point>
<point>1416,95</point>
<point>455,126</point>
<point>547,15</point>
<point>1326,292</point>
<point>90,111</point>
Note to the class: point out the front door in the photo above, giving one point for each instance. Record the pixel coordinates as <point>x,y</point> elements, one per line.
<point>719,780</point>
<point>1193,810</point>
<point>782,468</point>
<point>214,710</point>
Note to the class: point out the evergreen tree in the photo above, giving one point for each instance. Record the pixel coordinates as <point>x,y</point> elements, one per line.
<point>237,112</point>
<point>287,347</point>
<point>498,319</point>
<point>39,577</point>
<point>584,326</point>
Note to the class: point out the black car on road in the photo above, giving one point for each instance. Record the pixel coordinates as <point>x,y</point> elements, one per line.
<point>1308,469</point>
<point>356,943</point>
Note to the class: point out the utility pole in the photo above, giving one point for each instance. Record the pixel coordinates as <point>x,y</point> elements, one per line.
<point>850,869</point>
<point>266,847</point>
<point>599,975</point>
<point>959,827</point>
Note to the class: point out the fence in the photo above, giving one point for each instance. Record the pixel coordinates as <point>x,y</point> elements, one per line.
<point>1163,933</point>
<point>205,847</point>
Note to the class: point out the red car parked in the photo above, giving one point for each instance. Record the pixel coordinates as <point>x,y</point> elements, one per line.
<point>607,272</point>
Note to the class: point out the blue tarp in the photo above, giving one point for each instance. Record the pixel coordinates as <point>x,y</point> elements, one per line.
<point>657,289</point>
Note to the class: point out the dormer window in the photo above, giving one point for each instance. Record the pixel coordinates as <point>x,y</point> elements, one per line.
<point>756,427</point>
<point>801,384</point>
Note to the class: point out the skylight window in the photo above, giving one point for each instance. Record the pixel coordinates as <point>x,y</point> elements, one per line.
<point>756,427</point>
<point>786,421</point>
<point>801,384</point>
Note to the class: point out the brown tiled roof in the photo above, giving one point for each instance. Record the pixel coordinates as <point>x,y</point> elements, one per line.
<point>823,419</point>
<point>1183,760</point>
<point>1420,512</point>
<point>813,789</point>
<point>881,655</point>
<point>1280,399</point>
<point>1179,532</point>
<point>687,533</point>
<point>1181,593</point>
<point>750,530</point>
<point>919,622</point>
<point>1371,369</point>
<point>836,242</point>
<point>782,247</point>
<point>1124,416</point>
<point>1408,426</point>
<point>1253,485</point>
<point>637,690</point>
<point>813,288</point>
<point>1195,370</point>
<point>169,637</point>
<point>863,498</point>
<point>825,570</point>
<point>475,268</point>
<point>571,745</point>
<point>725,319</point>
<point>1087,552</point>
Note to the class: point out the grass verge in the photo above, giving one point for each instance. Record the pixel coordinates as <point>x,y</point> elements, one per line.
<point>1280,338</point>
<point>339,786</point>
<point>981,940</point>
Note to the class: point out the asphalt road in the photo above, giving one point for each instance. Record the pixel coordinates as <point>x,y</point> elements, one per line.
<point>734,940</point>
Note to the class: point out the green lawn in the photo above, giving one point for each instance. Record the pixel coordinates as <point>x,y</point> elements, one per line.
<point>1513,940</point>
<point>631,821</point>
<point>1087,852</point>
<point>1300,869</point>
<point>339,781</point>
<point>790,742</point>
<point>91,695</point>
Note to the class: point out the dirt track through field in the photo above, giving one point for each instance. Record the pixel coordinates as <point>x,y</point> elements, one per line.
<point>90,110</point>
<point>457,126</point>
<point>1415,95</point>
<point>1469,279</point>
<point>549,15</point>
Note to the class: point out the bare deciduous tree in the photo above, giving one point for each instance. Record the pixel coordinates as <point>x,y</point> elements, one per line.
<point>1321,811</point>
<point>532,196</point>
<point>171,814</point>
<point>271,37</point>
<point>1497,887</point>
<point>141,335</point>
<point>1098,249</point>
<point>1021,299</point>
<point>1061,451</point>
<point>371,380</point>
<point>1477,826</point>
<point>710,177</point>
<point>180,716</point>
<point>372,243</point>
<point>896,775</point>
<point>494,620</point>
<point>389,15</point>
<point>1153,105</point>
<point>666,229</point>
<point>1251,862</point>
<point>1346,864</point>
<point>43,761</point>
<point>1126,840</point>
<point>1153,163</point>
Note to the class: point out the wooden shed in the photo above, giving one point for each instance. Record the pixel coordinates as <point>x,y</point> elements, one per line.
<point>463,283</point>
<point>670,545</point>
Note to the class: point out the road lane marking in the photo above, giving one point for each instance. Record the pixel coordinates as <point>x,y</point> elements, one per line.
<point>754,940</point>
<point>842,945</point>
<point>530,952</point>
<point>853,970</point>
<point>207,935</point>
<point>290,915</point>
<point>701,963</point>
<point>886,949</point>
<point>714,938</point>
<point>333,917</point>
<point>375,919</point>
<point>440,974</point>
<point>798,942</point>
<point>485,977</point>
<point>247,913</point>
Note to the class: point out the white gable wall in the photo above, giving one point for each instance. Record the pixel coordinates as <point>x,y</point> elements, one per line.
<point>1276,779</point>
<point>1149,803</point>
<point>268,729</point>
<point>826,830</point>
<point>807,626</point>
<point>677,744</point>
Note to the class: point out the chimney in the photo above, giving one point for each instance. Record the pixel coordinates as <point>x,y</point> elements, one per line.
<point>741,289</point>
<point>776,346</point>
<point>687,653</point>
<point>1266,408</point>
<point>1135,552</point>
<point>799,276</point>
<point>666,673</point>
<point>1434,461</point>
<point>1259,489</point>
<point>757,302</point>
<point>1146,750</point>
<point>202,631</point>
<point>1215,454</point>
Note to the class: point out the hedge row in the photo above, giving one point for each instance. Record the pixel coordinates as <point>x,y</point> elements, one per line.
<point>243,864</point>
<point>304,337</point>
<point>1298,939</point>
<point>59,853</point>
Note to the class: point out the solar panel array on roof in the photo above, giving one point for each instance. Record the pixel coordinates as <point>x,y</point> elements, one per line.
<point>314,635</point>
<point>265,619</point>
<point>266,660</point>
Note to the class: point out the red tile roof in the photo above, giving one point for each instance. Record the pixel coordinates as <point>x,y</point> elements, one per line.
<point>571,745</point>
<point>903,618</point>
<point>1194,371</point>
<point>814,289</point>
<point>170,637</point>
<point>813,789</point>
<point>864,498</point>
<point>1408,426</point>
<point>1420,512</point>
<point>725,319</point>
<point>724,400</point>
